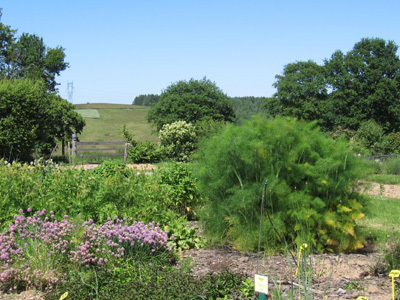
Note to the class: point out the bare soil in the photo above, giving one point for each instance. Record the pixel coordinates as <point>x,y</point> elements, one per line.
<point>333,274</point>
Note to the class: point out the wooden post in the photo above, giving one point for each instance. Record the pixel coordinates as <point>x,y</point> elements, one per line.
<point>126,152</point>
<point>74,152</point>
<point>69,152</point>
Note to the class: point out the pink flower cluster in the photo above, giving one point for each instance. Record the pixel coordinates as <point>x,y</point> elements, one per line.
<point>117,239</point>
<point>67,241</point>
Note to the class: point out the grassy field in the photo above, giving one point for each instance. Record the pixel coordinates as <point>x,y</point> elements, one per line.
<point>382,218</point>
<point>107,127</point>
<point>112,118</point>
<point>108,106</point>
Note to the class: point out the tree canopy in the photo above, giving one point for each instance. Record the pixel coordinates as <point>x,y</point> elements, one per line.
<point>32,115</point>
<point>191,101</point>
<point>31,118</point>
<point>346,90</point>
<point>27,56</point>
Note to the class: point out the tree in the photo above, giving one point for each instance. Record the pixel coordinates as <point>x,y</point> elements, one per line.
<point>191,101</point>
<point>28,57</point>
<point>246,107</point>
<point>365,84</point>
<point>347,90</point>
<point>63,121</point>
<point>301,93</point>
<point>32,119</point>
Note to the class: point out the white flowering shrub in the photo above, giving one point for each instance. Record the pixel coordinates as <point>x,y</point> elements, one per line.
<point>178,140</point>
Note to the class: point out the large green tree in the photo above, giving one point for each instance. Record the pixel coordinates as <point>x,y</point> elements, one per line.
<point>191,101</point>
<point>365,84</point>
<point>32,119</point>
<point>27,56</point>
<point>302,93</point>
<point>348,89</point>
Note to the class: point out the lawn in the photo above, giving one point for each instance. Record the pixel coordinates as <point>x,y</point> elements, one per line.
<point>382,218</point>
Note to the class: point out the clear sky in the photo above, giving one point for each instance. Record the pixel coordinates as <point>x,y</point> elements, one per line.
<point>120,49</point>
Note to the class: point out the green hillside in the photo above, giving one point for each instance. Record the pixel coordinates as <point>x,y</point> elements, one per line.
<point>112,118</point>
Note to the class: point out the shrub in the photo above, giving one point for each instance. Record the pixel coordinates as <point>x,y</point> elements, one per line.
<point>141,152</point>
<point>310,197</point>
<point>181,187</point>
<point>178,139</point>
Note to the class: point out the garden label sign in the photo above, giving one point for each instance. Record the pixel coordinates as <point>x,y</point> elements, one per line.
<point>261,283</point>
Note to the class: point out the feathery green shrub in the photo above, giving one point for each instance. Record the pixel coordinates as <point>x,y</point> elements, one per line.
<point>310,196</point>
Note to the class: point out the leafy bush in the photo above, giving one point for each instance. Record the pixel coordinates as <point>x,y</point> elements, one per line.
<point>311,186</point>
<point>393,143</point>
<point>182,189</point>
<point>370,135</point>
<point>183,236</point>
<point>110,168</point>
<point>178,139</point>
<point>141,152</point>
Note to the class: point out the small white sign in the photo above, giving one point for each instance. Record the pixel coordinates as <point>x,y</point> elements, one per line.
<point>261,283</point>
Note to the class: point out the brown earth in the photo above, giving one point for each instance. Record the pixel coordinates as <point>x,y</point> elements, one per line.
<point>333,274</point>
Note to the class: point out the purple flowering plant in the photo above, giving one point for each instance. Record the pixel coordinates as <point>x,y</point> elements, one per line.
<point>37,251</point>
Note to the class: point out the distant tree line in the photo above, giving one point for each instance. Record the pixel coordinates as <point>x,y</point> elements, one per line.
<point>244,107</point>
<point>146,100</point>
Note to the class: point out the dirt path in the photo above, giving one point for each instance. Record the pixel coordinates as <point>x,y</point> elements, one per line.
<point>384,190</point>
<point>333,274</point>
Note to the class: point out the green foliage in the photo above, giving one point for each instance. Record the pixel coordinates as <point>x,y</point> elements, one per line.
<point>371,136</point>
<point>191,101</point>
<point>181,187</point>
<point>142,152</point>
<point>302,93</point>
<point>146,100</point>
<point>347,90</point>
<point>392,143</point>
<point>391,252</point>
<point>178,140</point>
<point>23,110</point>
<point>148,282</point>
<point>183,236</point>
<point>28,57</point>
<point>391,166</point>
<point>311,179</point>
<point>111,168</point>
<point>32,119</point>
<point>110,189</point>
<point>208,127</point>
<point>246,107</point>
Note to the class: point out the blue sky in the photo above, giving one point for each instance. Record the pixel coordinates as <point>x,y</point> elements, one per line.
<point>120,49</point>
